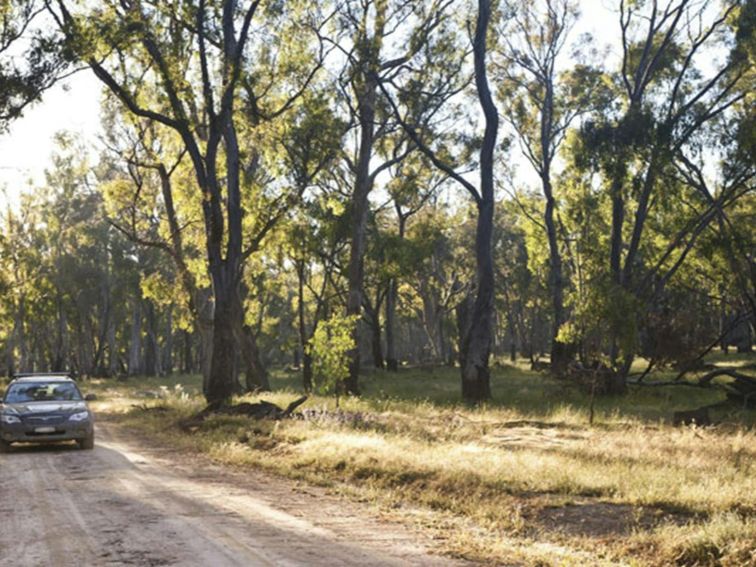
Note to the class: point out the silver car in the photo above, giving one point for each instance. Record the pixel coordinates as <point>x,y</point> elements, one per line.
<point>44,408</point>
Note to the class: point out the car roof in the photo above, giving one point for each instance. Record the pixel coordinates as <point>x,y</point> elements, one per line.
<point>42,378</point>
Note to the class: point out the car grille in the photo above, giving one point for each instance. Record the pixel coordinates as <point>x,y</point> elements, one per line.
<point>49,434</point>
<point>43,420</point>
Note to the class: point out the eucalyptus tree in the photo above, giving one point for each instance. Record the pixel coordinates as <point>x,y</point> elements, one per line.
<point>148,196</point>
<point>376,40</point>
<point>201,62</point>
<point>541,99</point>
<point>680,72</point>
<point>413,183</point>
<point>436,248</point>
<point>475,316</point>
<point>30,60</point>
<point>312,144</point>
<point>316,245</point>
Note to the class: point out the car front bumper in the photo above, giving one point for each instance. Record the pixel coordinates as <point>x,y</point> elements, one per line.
<point>24,433</point>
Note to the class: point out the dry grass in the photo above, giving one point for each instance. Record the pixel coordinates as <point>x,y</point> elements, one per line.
<point>526,481</point>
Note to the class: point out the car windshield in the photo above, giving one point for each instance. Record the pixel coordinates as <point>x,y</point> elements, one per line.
<point>42,392</point>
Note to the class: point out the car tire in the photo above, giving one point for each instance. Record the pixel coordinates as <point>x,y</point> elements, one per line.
<point>86,444</point>
<point>4,446</point>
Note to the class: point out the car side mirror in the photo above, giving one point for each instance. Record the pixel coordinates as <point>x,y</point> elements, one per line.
<point>90,397</point>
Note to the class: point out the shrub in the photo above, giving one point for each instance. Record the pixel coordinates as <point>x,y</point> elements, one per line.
<point>329,348</point>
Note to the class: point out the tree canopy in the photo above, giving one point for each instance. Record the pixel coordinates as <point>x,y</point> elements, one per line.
<point>334,183</point>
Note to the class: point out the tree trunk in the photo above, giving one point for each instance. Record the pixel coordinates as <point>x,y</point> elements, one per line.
<point>392,364</point>
<point>307,370</point>
<point>375,329</point>
<point>86,352</point>
<point>476,320</point>
<point>359,215</point>
<point>222,383</point>
<point>135,339</point>
<point>19,334</point>
<point>256,375</point>
<point>303,338</point>
<point>443,354</point>
<point>475,334</point>
<point>560,352</point>
<point>104,318</point>
<point>151,348</point>
<point>61,344</point>
<point>10,356</point>
<point>112,349</point>
<point>618,213</point>
<point>204,325</point>
<point>187,358</point>
<point>166,361</point>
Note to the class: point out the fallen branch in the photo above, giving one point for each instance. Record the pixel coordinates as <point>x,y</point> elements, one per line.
<point>259,410</point>
<point>742,387</point>
<point>739,376</point>
<point>691,364</point>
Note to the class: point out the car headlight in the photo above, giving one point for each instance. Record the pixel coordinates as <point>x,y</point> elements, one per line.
<point>81,416</point>
<point>6,418</point>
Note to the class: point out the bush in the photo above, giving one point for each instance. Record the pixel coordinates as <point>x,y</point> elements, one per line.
<point>329,348</point>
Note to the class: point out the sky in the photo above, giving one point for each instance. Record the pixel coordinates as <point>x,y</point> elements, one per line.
<point>25,150</point>
<point>74,106</point>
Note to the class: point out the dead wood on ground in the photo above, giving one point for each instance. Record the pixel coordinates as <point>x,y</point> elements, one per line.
<point>258,410</point>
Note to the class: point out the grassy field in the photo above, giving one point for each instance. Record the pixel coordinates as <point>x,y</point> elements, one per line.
<point>523,480</point>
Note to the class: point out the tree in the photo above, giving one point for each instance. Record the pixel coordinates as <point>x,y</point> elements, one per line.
<point>30,60</point>
<point>475,316</point>
<point>153,44</point>
<point>140,189</point>
<point>540,103</point>
<point>666,102</point>
<point>363,38</point>
<point>413,183</point>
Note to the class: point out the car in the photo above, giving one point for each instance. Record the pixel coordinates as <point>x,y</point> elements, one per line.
<point>45,408</point>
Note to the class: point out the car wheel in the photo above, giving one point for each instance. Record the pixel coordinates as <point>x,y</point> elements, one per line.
<point>87,443</point>
<point>4,446</point>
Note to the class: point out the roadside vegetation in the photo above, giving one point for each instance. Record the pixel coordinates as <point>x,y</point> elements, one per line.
<point>394,198</point>
<point>524,479</point>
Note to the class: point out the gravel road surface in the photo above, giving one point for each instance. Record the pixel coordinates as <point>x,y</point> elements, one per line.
<point>127,503</point>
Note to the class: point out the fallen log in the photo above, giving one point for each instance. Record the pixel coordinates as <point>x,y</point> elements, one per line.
<point>731,372</point>
<point>742,388</point>
<point>258,410</point>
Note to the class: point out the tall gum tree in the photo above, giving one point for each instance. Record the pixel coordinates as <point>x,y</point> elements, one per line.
<point>197,57</point>
<point>139,153</point>
<point>413,183</point>
<point>540,103</point>
<point>376,39</point>
<point>475,316</point>
<point>679,74</point>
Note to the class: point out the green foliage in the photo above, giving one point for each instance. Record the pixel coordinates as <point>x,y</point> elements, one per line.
<point>94,253</point>
<point>329,348</point>
<point>606,310</point>
<point>31,58</point>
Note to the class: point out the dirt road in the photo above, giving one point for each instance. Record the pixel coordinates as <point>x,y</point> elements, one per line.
<point>127,504</point>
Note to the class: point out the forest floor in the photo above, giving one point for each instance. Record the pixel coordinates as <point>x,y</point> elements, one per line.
<point>524,480</point>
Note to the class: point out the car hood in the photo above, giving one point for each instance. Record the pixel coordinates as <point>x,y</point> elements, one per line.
<point>30,408</point>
